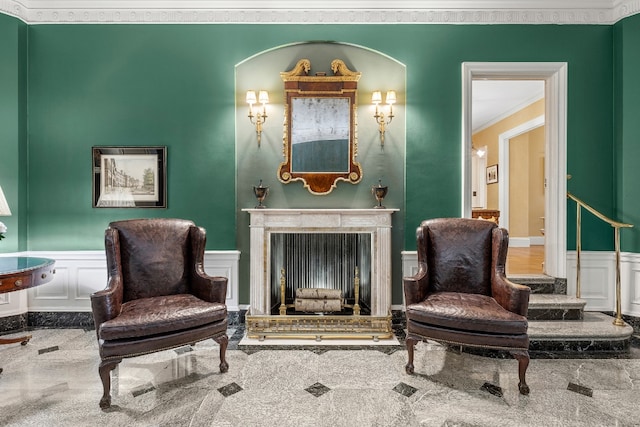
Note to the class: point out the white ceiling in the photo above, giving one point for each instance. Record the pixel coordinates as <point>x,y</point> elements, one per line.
<point>494,100</point>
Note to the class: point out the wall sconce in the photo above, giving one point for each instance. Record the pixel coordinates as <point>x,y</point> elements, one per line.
<point>259,118</point>
<point>376,98</point>
<point>480,152</point>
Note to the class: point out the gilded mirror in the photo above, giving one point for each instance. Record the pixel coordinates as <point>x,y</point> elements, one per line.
<point>319,143</point>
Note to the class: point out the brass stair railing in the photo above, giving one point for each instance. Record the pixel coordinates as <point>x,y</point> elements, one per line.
<point>616,226</point>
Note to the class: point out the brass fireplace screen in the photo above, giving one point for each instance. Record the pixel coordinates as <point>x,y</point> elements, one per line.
<point>307,268</point>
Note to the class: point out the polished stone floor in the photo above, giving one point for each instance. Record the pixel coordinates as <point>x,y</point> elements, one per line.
<point>53,381</point>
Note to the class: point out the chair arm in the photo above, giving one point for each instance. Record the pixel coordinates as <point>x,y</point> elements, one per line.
<point>209,288</point>
<point>415,287</point>
<point>512,296</point>
<point>205,287</point>
<point>107,303</point>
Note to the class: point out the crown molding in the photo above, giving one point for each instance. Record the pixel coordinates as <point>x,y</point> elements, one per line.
<point>460,12</point>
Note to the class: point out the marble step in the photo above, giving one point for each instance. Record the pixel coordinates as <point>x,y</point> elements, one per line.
<point>540,283</point>
<point>555,307</point>
<point>594,333</point>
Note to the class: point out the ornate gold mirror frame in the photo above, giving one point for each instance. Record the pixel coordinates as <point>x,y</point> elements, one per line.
<point>320,127</point>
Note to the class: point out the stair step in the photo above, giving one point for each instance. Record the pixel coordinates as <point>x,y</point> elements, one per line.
<point>594,333</point>
<point>555,307</point>
<point>539,283</point>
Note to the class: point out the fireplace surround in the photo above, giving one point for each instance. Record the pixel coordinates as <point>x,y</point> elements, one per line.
<point>372,231</point>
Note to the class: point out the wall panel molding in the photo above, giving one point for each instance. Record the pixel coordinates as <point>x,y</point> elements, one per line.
<point>461,12</point>
<point>597,279</point>
<point>630,281</point>
<point>12,303</point>
<point>80,273</point>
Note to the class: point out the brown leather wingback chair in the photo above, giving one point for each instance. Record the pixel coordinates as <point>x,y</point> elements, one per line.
<point>460,294</point>
<point>158,296</point>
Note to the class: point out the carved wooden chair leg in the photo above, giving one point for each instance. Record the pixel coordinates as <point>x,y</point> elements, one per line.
<point>223,341</point>
<point>105,368</point>
<point>523,363</point>
<point>410,342</point>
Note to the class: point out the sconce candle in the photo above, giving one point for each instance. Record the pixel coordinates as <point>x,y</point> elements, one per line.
<point>259,118</point>
<point>390,99</point>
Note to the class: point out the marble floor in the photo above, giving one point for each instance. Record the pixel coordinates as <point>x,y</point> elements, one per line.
<point>53,381</point>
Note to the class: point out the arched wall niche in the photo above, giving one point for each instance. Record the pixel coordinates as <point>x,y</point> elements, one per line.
<point>260,162</point>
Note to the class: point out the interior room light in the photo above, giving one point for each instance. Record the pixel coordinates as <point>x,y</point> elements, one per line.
<point>258,118</point>
<point>381,118</point>
<point>391,97</point>
<point>480,152</point>
<point>376,97</point>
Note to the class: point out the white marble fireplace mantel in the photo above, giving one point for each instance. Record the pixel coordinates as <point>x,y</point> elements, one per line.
<point>376,222</point>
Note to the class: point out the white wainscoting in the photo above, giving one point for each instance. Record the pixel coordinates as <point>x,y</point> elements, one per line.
<point>630,281</point>
<point>597,279</point>
<point>80,273</point>
<point>12,304</point>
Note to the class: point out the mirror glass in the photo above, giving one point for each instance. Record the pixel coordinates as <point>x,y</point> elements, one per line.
<point>320,134</point>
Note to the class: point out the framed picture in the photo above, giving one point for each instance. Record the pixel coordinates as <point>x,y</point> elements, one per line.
<point>492,174</point>
<point>129,177</point>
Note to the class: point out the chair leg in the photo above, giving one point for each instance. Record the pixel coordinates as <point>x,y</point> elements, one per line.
<point>523,363</point>
<point>105,368</point>
<point>223,341</point>
<point>410,343</point>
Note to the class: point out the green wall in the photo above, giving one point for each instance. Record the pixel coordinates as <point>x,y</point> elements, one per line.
<point>128,85</point>
<point>627,130</point>
<point>13,130</point>
<point>174,85</point>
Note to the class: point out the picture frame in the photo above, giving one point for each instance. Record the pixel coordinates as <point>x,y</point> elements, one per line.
<point>492,174</point>
<point>129,177</point>
<point>320,144</point>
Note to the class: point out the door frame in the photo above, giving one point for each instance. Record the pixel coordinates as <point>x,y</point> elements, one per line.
<point>554,74</point>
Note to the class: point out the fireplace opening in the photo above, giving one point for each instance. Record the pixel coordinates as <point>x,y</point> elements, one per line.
<point>321,261</point>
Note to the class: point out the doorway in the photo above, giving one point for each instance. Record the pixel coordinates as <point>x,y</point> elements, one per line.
<point>554,76</point>
<point>508,134</point>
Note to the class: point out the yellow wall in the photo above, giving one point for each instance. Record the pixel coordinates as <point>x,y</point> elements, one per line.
<point>526,154</point>
<point>536,181</point>
<point>526,191</point>
<point>518,185</point>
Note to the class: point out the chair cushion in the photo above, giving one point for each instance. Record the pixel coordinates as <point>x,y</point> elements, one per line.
<point>155,256</point>
<point>160,315</point>
<point>470,312</point>
<point>459,254</point>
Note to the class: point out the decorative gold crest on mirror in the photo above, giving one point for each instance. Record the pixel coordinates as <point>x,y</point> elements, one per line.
<point>320,127</point>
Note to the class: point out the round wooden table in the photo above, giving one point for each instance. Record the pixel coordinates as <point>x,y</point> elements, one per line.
<point>21,272</point>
